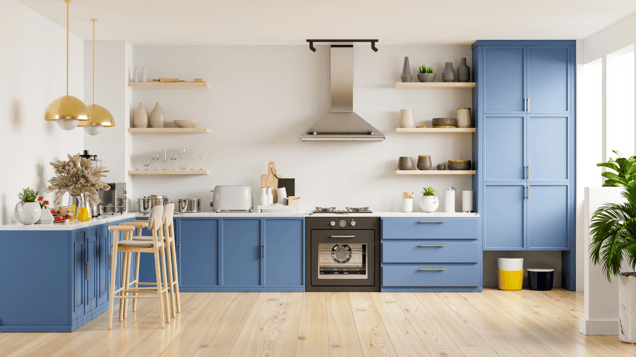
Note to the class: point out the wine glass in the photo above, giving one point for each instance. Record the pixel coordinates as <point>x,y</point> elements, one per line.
<point>146,161</point>
<point>183,154</point>
<point>164,158</point>
<point>191,157</point>
<point>155,158</point>
<point>174,155</point>
<point>201,150</point>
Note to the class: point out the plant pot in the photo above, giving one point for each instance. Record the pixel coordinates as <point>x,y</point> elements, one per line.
<point>46,217</point>
<point>426,77</point>
<point>27,212</point>
<point>627,309</point>
<point>429,204</point>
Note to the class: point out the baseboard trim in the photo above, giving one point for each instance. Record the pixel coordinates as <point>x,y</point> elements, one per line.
<point>598,327</point>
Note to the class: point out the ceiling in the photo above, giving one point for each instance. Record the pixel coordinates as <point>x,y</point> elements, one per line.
<point>290,22</point>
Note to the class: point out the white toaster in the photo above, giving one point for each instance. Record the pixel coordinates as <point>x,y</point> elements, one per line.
<point>228,198</point>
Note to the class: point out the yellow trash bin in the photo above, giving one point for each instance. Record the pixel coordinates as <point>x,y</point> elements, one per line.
<point>510,273</point>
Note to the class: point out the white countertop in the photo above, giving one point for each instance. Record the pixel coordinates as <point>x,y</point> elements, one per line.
<point>71,225</point>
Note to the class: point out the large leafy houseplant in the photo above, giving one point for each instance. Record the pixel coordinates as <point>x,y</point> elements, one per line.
<point>625,170</point>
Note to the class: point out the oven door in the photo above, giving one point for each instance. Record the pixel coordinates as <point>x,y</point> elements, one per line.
<point>342,257</point>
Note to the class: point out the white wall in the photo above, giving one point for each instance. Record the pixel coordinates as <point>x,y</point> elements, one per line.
<point>33,59</point>
<point>261,98</point>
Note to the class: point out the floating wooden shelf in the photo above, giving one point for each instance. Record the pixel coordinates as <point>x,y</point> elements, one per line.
<point>416,85</point>
<point>434,130</point>
<point>168,85</point>
<point>436,172</point>
<point>169,172</point>
<point>168,130</point>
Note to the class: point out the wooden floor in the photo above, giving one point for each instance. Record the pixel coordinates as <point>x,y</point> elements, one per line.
<point>492,323</point>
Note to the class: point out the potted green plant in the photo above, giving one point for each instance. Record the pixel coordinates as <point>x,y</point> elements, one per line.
<point>429,202</point>
<point>426,74</point>
<point>28,211</point>
<point>613,233</point>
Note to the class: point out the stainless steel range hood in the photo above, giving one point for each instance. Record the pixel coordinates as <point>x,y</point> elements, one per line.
<point>342,123</point>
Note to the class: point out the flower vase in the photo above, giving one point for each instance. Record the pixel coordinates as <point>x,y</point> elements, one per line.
<point>449,73</point>
<point>463,71</point>
<point>82,210</point>
<point>406,71</point>
<point>27,212</point>
<point>46,217</point>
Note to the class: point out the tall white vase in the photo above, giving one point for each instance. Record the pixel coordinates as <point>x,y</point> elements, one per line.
<point>627,309</point>
<point>140,119</point>
<point>157,117</point>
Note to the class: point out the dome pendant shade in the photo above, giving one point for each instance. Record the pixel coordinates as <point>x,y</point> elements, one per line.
<point>67,108</point>
<point>99,116</point>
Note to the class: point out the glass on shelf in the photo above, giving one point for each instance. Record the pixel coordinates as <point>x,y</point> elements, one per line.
<point>155,158</point>
<point>201,151</point>
<point>146,161</point>
<point>174,155</point>
<point>183,155</point>
<point>164,158</point>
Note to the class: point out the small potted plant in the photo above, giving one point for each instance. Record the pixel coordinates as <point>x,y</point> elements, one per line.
<point>426,74</point>
<point>429,202</point>
<point>28,211</point>
<point>46,216</point>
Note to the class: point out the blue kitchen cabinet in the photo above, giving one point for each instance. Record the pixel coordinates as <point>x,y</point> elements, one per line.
<point>198,253</point>
<point>103,265</point>
<point>79,274</point>
<point>525,157</point>
<point>242,252</point>
<point>91,271</point>
<point>284,247</point>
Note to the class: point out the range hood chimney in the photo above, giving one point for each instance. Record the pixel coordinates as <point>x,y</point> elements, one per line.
<point>342,124</point>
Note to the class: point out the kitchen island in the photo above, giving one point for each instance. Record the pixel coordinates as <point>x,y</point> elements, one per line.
<point>67,273</point>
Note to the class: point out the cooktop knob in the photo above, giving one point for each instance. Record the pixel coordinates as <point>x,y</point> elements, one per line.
<point>343,223</point>
<point>353,223</point>
<point>332,223</point>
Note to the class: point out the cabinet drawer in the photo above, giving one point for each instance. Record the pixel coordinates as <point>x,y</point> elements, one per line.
<point>430,275</point>
<point>430,228</point>
<point>431,251</point>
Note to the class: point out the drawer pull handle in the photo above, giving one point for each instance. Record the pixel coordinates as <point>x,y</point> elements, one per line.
<point>432,221</point>
<point>432,245</point>
<point>342,237</point>
<point>430,269</point>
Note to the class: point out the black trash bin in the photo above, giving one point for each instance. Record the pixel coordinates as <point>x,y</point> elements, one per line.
<point>540,279</point>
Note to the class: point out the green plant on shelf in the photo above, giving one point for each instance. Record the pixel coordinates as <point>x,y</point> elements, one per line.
<point>424,69</point>
<point>428,191</point>
<point>28,195</point>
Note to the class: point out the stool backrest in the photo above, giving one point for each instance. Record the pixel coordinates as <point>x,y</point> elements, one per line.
<point>168,214</point>
<point>155,220</point>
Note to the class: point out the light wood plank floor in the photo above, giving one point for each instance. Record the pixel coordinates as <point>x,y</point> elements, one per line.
<point>492,323</point>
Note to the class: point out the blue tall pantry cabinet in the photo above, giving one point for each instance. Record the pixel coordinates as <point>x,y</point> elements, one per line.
<point>524,110</point>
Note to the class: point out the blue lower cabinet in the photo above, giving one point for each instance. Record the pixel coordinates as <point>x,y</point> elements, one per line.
<point>79,274</point>
<point>548,224</point>
<point>431,275</point>
<point>431,251</point>
<point>504,220</point>
<point>198,251</point>
<point>284,249</point>
<point>242,252</point>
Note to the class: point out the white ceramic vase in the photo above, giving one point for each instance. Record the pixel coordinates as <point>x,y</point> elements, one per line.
<point>140,118</point>
<point>157,117</point>
<point>27,212</point>
<point>46,217</point>
<point>263,201</point>
<point>463,117</point>
<point>406,118</point>
<point>407,205</point>
<point>627,309</point>
<point>429,204</point>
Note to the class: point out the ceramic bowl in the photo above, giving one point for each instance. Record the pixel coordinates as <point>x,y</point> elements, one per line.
<point>459,164</point>
<point>437,122</point>
<point>406,163</point>
<point>186,123</point>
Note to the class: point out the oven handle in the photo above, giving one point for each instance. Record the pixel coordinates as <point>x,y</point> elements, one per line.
<point>342,237</point>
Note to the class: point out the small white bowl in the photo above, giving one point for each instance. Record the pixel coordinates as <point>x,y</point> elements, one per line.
<point>186,123</point>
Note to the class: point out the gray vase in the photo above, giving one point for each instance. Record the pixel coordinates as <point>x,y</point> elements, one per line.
<point>424,162</point>
<point>449,73</point>
<point>406,71</point>
<point>140,119</point>
<point>406,163</point>
<point>157,118</point>
<point>463,71</point>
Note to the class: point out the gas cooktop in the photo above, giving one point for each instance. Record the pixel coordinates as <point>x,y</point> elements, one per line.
<point>333,210</point>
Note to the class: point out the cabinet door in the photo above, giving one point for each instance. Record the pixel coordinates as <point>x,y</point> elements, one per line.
<point>503,217</point>
<point>503,146</point>
<point>503,78</point>
<point>91,266</point>
<point>241,252</point>
<point>548,148</point>
<point>548,79</point>
<point>199,244</point>
<point>103,271</point>
<point>284,252</point>
<point>79,275</point>
<point>548,223</point>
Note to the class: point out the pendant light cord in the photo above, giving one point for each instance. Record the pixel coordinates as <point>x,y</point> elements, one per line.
<point>93,59</point>
<point>67,41</point>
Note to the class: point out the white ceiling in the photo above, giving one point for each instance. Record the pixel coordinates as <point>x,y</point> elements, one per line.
<point>290,22</point>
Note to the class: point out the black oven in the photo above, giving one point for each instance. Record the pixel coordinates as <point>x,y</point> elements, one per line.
<point>342,253</point>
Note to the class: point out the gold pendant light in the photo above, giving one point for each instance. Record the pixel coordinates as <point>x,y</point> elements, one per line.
<point>100,116</point>
<point>68,111</point>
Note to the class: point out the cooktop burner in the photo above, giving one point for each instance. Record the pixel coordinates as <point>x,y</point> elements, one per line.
<point>346,210</point>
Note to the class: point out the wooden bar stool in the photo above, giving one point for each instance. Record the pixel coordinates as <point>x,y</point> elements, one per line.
<point>128,246</point>
<point>171,255</point>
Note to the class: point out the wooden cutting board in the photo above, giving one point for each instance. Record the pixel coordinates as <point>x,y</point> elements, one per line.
<point>270,179</point>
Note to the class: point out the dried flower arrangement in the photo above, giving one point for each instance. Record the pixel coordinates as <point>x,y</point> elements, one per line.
<point>77,176</point>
